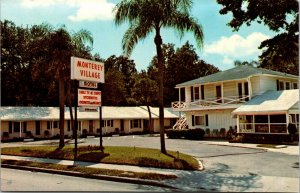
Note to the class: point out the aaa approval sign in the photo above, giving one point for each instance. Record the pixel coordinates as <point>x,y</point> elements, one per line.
<point>89,70</point>
<point>89,98</point>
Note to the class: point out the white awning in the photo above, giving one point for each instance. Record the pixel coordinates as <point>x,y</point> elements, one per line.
<point>270,102</point>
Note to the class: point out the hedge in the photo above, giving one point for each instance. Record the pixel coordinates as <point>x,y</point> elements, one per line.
<point>195,134</point>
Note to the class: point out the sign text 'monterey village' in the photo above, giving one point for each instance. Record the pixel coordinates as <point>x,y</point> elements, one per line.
<point>87,70</point>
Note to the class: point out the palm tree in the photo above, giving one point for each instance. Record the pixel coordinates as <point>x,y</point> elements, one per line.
<point>146,16</point>
<point>63,46</point>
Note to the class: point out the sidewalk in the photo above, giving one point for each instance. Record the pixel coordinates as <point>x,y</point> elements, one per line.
<point>287,149</point>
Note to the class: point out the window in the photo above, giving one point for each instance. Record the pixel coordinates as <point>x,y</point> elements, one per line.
<point>79,126</point>
<point>136,123</point>
<point>110,123</point>
<point>287,85</point>
<point>55,124</point>
<point>16,126</point>
<point>277,118</point>
<point>199,120</point>
<point>295,85</point>
<point>261,119</point>
<point>281,85</point>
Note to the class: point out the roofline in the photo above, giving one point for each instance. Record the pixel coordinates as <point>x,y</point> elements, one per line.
<point>296,78</point>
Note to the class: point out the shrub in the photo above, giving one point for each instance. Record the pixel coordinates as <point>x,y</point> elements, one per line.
<point>186,133</point>
<point>5,134</point>
<point>222,132</point>
<point>207,131</point>
<point>46,133</point>
<point>215,132</point>
<point>292,129</point>
<point>28,134</point>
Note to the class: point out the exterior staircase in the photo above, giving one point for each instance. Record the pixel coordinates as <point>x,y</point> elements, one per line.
<point>180,124</point>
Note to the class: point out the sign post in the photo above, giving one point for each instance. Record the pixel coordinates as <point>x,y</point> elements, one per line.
<point>90,73</point>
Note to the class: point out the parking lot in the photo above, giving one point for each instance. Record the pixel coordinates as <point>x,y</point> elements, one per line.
<point>227,167</point>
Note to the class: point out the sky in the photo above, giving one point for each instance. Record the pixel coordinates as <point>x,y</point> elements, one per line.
<point>222,45</point>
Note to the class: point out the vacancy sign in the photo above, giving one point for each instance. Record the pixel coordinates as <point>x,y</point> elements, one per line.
<point>89,98</point>
<point>88,70</point>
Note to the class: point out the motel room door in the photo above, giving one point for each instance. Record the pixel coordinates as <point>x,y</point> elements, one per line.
<point>91,126</point>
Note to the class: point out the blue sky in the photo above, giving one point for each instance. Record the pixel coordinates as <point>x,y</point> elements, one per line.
<point>222,46</point>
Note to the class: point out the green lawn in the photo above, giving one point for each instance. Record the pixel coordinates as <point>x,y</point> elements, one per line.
<point>112,154</point>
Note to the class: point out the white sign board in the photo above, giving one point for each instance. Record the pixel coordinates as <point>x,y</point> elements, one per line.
<point>88,84</point>
<point>88,109</point>
<point>89,98</point>
<point>89,70</point>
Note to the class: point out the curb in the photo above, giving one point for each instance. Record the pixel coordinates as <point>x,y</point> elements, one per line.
<point>90,176</point>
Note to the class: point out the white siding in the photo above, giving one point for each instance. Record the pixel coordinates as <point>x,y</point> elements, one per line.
<point>209,91</point>
<point>255,84</point>
<point>268,83</point>
<point>230,89</point>
<point>217,119</point>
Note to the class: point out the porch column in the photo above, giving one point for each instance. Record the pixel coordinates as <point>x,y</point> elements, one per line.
<point>129,125</point>
<point>238,123</point>
<point>269,124</point>
<point>222,92</point>
<point>179,95</point>
<point>249,88</point>
<point>52,129</point>
<point>20,129</point>
<point>287,121</point>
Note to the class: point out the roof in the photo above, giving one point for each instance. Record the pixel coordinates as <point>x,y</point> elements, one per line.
<point>52,113</point>
<point>270,102</point>
<point>240,72</point>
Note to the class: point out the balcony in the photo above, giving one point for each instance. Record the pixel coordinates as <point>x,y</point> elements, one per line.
<point>221,102</point>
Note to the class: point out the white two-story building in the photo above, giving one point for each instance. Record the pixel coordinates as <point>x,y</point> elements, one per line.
<point>252,100</point>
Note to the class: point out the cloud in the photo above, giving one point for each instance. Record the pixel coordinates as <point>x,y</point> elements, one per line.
<point>88,10</point>
<point>93,10</point>
<point>237,46</point>
<point>227,60</point>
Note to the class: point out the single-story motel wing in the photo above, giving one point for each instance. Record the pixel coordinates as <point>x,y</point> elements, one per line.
<point>43,122</point>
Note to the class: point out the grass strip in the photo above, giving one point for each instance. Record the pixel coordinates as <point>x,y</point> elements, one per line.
<point>273,146</point>
<point>112,154</point>
<point>90,171</point>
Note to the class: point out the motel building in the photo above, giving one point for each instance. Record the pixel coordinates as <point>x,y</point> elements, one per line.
<point>43,122</point>
<point>249,99</point>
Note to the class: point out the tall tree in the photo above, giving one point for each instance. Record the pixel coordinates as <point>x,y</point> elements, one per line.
<point>280,52</point>
<point>145,16</point>
<point>63,46</point>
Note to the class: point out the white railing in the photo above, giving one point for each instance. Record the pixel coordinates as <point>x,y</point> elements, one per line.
<point>180,124</point>
<point>209,102</point>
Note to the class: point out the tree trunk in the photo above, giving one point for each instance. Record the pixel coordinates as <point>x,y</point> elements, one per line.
<point>158,43</point>
<point>150,120</point>
<point>70,106</point>
<point>61,111</point>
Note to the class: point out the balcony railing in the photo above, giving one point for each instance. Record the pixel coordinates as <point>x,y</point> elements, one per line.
<point>210,102</point>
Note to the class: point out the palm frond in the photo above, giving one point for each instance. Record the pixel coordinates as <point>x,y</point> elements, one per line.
<point>83,36</point>
<point>135,33</point>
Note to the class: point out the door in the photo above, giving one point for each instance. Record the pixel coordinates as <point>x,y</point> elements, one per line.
<point>246,88</point>
<point>240,90</point>
<point>219,94</point>
<point>91,126</point>
<point>122,125</point>
<point>37,128</point>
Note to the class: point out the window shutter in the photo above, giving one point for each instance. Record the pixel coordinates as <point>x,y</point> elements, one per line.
<point>206,120</point>
<point>130,123</point>
<point>277,84</point>
<point>192,93</point>
<point>193,120</point>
